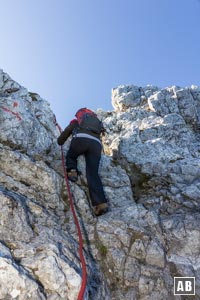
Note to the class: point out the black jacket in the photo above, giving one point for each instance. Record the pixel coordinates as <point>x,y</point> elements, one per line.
<point>74,127</point>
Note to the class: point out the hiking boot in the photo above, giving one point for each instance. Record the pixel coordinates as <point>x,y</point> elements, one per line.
<point>72,175</point>
<point>100,209</point>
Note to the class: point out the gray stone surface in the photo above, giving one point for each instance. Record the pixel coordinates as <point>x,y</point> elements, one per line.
<point>151,176</point>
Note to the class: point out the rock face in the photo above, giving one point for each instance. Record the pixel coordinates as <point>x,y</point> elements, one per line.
<point>151,176</point>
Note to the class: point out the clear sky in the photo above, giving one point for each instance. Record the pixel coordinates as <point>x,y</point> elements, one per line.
<point>73,52</point>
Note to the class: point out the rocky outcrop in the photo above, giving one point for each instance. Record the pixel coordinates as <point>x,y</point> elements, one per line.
<point>150,171</point>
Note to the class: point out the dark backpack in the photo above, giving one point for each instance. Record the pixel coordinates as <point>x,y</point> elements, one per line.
<point>89,121</point>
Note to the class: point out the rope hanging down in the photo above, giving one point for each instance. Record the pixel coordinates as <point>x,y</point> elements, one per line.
<point>82,259</point>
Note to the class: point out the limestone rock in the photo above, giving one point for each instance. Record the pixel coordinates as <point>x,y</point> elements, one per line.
<point>151,232</point>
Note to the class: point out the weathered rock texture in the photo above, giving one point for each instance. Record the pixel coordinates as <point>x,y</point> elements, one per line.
<point>151,176</point>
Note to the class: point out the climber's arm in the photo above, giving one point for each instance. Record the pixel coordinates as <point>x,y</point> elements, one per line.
<point>67,132</point>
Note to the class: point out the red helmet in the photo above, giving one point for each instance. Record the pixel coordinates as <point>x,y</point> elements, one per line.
<point>83,110</point>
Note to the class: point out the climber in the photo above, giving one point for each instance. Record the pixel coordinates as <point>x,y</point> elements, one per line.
<point>86,130</point>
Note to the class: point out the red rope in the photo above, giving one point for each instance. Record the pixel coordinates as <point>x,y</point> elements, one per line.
<point>82,259</point>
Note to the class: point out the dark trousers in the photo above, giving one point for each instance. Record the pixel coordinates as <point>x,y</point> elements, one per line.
<point>91,149</point>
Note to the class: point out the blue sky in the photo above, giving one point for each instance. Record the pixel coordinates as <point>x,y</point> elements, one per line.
<point>73,52</point>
